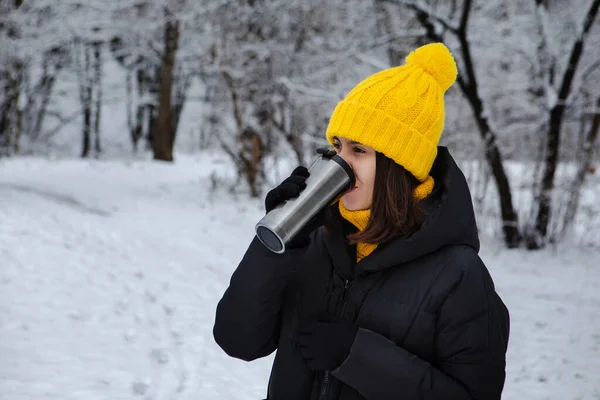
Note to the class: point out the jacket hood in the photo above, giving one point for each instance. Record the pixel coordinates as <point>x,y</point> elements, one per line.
<point>450,220</point>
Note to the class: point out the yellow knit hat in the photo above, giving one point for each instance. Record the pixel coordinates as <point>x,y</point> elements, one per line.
<point>400,111</point>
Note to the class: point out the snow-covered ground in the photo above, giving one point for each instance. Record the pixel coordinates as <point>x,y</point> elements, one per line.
<point>111,271</point>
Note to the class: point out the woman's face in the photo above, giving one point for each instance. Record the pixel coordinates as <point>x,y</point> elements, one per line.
<point>361,159</point>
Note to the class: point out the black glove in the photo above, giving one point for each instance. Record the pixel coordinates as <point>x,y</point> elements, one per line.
<point>326,343</point>
<point>288,189</point>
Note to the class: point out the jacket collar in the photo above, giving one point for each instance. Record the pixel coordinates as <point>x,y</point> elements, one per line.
<point>450,220</point>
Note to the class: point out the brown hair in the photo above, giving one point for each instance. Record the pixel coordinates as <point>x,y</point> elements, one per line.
<point>395,211</point>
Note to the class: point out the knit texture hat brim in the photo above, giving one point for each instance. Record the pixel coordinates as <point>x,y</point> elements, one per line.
<point>384,133</point>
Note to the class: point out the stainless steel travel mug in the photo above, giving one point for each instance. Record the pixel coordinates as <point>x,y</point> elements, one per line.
<point>330,176</point>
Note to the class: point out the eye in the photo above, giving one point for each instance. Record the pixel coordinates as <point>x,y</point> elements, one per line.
<point>359,150</point>
<point>336,145</point>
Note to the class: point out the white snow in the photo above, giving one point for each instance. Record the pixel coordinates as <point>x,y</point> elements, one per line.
<point>111,271</point>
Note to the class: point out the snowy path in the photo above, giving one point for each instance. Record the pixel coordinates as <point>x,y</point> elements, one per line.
<point>110,273</point>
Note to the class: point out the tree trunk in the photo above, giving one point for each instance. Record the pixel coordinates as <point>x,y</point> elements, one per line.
<point>5,123</point>
<point>180,98</point>
<point>4,132</point>
<point>18,131</point>
<point>87,127</point>
<point>510,219</point>
<point>129,109</point>
<point>9,110</point>
<point>86,101</point>
<point>6,112</point>
<point>287,128</point>
<point>151,89</point>
<point>249,157</point>
<point>98,100</point>
<point>139,127</point>
<point>163,136</point>
<point>11,79</point>
<point>138,131</point>
<point>40,96</point>
<point>537,239</point>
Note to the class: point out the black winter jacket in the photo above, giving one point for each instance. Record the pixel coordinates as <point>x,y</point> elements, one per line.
<point>431,323</point>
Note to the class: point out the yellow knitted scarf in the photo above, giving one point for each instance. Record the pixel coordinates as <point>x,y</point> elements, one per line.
<point>360,218</point>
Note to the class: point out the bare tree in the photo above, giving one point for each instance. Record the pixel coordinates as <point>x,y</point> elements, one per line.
<point>149,50</point>
<point>436,27</point>
<point>537,236</point>
<point>39,95</point>
<point>241,63</point>
<point>142,80</point>
<point>249,155</point>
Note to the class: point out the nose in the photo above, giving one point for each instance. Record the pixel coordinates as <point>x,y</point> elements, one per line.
<point>346,156</point>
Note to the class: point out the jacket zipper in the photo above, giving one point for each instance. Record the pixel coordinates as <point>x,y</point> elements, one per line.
<point>326,378</point>
<point>347,285</point>
<point>325,386</point>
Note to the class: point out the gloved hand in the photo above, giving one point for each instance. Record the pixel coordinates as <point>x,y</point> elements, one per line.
<point>290,188</point>
<point>325,343</point>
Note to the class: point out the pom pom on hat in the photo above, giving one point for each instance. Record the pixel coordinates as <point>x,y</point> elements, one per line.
<point>437,61</point>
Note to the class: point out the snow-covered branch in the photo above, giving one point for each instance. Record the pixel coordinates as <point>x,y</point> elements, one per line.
<point>421,7</point>
<point>322,93</point>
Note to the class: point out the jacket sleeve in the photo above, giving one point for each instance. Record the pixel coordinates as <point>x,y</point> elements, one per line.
<point>247,320</point>
<point>470,346</point>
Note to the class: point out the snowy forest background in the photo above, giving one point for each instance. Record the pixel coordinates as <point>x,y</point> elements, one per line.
<point>257,81</point>
<point>138,139</point>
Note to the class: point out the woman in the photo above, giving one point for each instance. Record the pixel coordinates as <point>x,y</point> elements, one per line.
<point>389,299</point>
